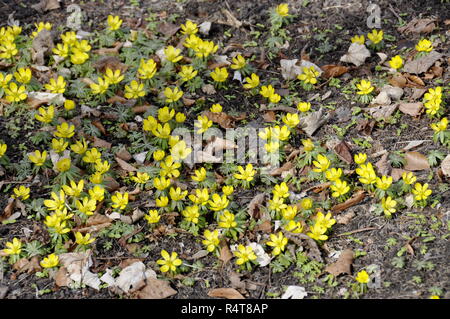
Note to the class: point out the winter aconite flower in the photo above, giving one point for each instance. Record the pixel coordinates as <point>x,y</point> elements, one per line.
<point>147,69</point>
<point>114,22</point>
<point>45,115</point>
<point>101,87</point>
<point>396,62</point>
<point>219,74</point>
<point>23,75</point>
<point>21,192</point>
<point>135,90</point>
<point>203,123</point>
<point>246,174</point>
<point>360,158</point>
<point>321,164</point>
<point>152,217</point>
<point>38,158</point>
<point>172,95</point>
<point>339,188</point>
<point>227,220</point>
<point>189,28</point>
<point>388,205</point>
<point>13,248</point>
<point>278,242</point>
<point>50,261</point>
<point>309,75</point>
<point>211,241</point>
<point>187,73</point>
<point>375,36</point>
<point>282,10</point>
<point>238,62</point>
<point>244,254</point>
<point>170,262</point>
<point>64,130</point>
<point>364,87</point>
<point>362,277</point>
<point>56,86</point>
<point>83,240</point>
<point>252,81</point>
<point>303,106</point>
<point>119,200</point>
<point>172,54</point>
<point>421,192</point>
<point>424,45</point>
<point>360,39</point>
<point>15,93</point>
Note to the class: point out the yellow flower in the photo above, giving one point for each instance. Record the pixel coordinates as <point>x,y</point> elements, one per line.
<point>135,90</point>
<point>14,247</point>
<point>238,62</point>
<point>97,193</point>
<point>247,174</point>
<point>421,192</point>
<point>228,190</point>
<point>59,145</point>
<point>211,240</point>
<point>219,74</point>
<point>244,254</point>
<point>83,240</point>
<point>216,108</point>
<point>267,91</point>
<point>321,164</point>
<point>281,190</point>
<point>172,95</point>
<point>200,175</point>
<point>45,115</point>
<point>21,192</point>
<point>162,201</point>
<point>192,42</point>
<point>384,182</point>
<point>56,86</point>
<point>360,158</point>
<point>362,277</point>
<point>147,69</point>
<point>358,39</point>
<point>282,10</point>
<point>4,80</point>
<point>303,106</point>
<point>50,261</point>
<point>201,196</point>
<point>424,45</point>
<point>187,73</point>
<point>306,203</point>
<point>65,130</point>
<point>23,75</point>
<point>291,119</point>
<point>78,56</point>
<point>41,26</point>
<point>74,189</point>
<point>440,126</point>
<point>309,75</point>
<point>63,165</point>
<point>180,117</point>
<point>158,155</point>
<point>434,297</point>
<point>218,203</point>
<point>408,178</point>
<point>172,54</point>
<point>364,87</point>
<point>152,217</point>
<point>289,212</point>
<point>57,202</point>
<point>294,227</point>
<point>8,50</point>
<point>169,167</point>
<point>189,28</point>
<point>161,183</point>
<point>203,123</point>
<point>252,81</point>
<point>396,62</point>
<point>317,232</point>
<point>281,134</point>
<point>38,158</point>
<point>102,167</point>
<point>272,147</point>
<point>277,204</point>
<point>114,22</point>
<point>87,206</point>
<point>274,98</point>
<point>15,93</point>
<point>61,49</point>
<point>339,188</point>
<point>278,242</point>
<point>375,36</point>
<point>140,178</point>
<point>92,156</point>
<point>325,221</point>
<point>69,38</point>
<point>80,147</point>
<point>367,174</point>
<point>69,104</point>
<point>113,77</point>
<point>169,262</point>
<point>191,214</point>
<point>308,145</point>
<point>388,205</point>
<point>333,174</point>
<point>203,48</point>
<point>120,200</point>
<point>162,131</point>
<point>176,194</point>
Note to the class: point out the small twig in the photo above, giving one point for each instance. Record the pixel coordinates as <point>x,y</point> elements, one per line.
<point>358,231</point>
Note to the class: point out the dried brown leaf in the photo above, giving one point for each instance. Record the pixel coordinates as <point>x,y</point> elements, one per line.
<point>417,26</point>
<point>278,171</point>
<point>416,161</point>
<point>445,166</point>
<point>421,65</point>
<point>352,201</point>
<point>125,166</point>
<point>227,293</point>
<point>156,289</point>
<point>343,265</point>
<point>254,205</point>
<point>413,109</point>
<point>334,71</point>
<point>342,150</point>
